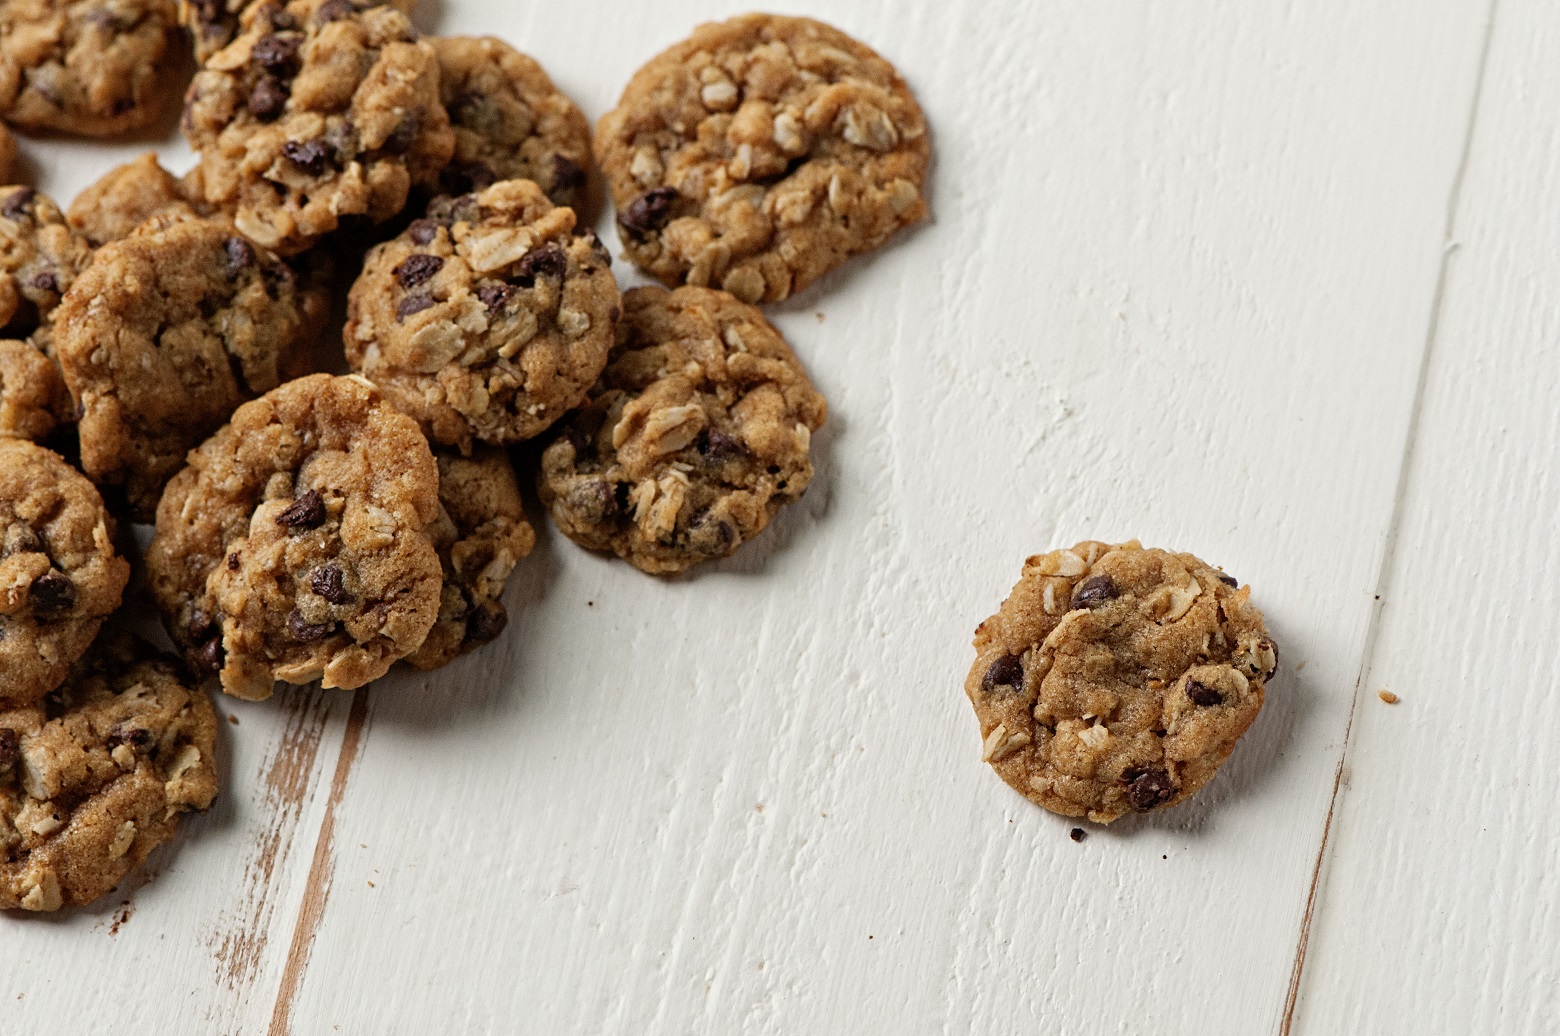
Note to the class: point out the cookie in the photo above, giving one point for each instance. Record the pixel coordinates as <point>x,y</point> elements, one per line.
<point>96,776</point>
<point>40,257</point>
<point>124,198</point>
<point>696,435</point>
<point>487,319</point>
<point>162,337</point>
<point>761,153</point>
<point>1117,679</point>
<point>8,155</point>
<point>213,24</point>
<point>480,535</point>
<point>33,399</point>
<point>60,576</point>
<point>316,113</point>
<point>97,68</point>
<point>294,546</point>
<point>510,121</point>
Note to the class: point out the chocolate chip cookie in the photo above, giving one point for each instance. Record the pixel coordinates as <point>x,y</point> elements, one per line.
<point>91,67</point>
<point>696,435</point>
<point>486,319</point>
<point>1117,679</point>
<point>33,399</point>
<point>60,576</point>
<point>96,776</point>
<point>510,121</point>
<point>40,257</point>
<point>480,535</point>
<point>294,547</point>
<point>316,112</point>
<point>124,198</point>
<point>162,337</point>
<point>761,153</point>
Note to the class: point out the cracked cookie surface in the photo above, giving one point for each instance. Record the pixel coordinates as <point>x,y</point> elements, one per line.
<point>759,154</point>
<point>40,257</point>
<point>33,398</point>
<point>125,197</point>
<point>316,112</point>
<point>488,318</point>
<point>697,433</point>
<point>1117,679</point>
<point>97,775</point>
<point>60,575</point>
<point>160,340</point>
<point>294,547</point>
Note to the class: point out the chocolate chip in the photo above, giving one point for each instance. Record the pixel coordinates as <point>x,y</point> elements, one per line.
<point>199,625</point>
<point>125,734</point>
<point>597,247</point>
<point>206,660</point>
<point>600,499</point>
<point>649,212</point>
<point>53,591</point>
<point>405,134</point>
<point>543,261</point>
<point>240,254</point>
<point>423,231</point>
<point>307,155</point>
<point>412,305</point>
<point>267,98</point>
<point>329,581</point>
<point>1077,834</point>
<point>1147,787</point>
<point>233,561</point>
<point>1095,591</point>
<point>712,534</point>
<point>1202,694</point>
<point>306,512</point>
<point>1006,671</point>
<point>1228,580</point>
<point>277,54</point>
<point>486,622</point>
<point>718,447</point>
<point>19,203</point>
<point>10,747</point>
<point>333,11</point>
<point>567,174</point>
<point>495,296</point>
<point>304,631</point>
<point>417,268</point>
<point>45,281</point>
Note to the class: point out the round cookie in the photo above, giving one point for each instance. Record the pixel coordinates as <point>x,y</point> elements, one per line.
<point>695,436</point>
<point>124,198</point>
<point>480,535</point>
<point>90,67</point>
<point>761,153</point>
<point>316,112</point>
<point>33,399</point>
<point>1116,679</point>
<point>488,318</point>
<point>96,776</point>
<point>294,546</point>
<point>40,257</point>
<point>510,121</point>
<point>162,337</point>
<point>60,576</point>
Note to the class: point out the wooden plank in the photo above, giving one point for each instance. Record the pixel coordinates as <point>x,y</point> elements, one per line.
<point>1436,910</point>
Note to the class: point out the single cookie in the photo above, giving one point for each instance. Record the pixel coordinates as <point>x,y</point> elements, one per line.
<point>162,337</point>
<point>33,399</point>
<point>696,435</point>
<point>95,777</point>
<point>124,198</point>
<point>40,257</point>
<point>317,112</point>
<point>510,122</point>
<point>1117,679</point>
<point>91,67</point>
<point>294,546</point>
<point>488,318</point>
<point>8,155</point>
<point>761,153</point>
<point>480,535</point>
<point>59,574</point>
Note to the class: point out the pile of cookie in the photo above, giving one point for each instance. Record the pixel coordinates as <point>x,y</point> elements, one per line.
<point>168,356</point>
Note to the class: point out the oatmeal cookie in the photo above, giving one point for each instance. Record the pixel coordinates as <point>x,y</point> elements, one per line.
<point>480,535</point>
<point>40,257</point>
<point>92,67</point>
<point>761,153</point>
<point>488,318</point>
<point>124,198</point>
<point>1117,679</point>
<point>60,576</point>
<point>317,112</point>
<point>33,399</point>
<point>162,337</point>
<point>294,546</point>
<point>695,436</point>
<point>510,121</point>
<point>95,776</point>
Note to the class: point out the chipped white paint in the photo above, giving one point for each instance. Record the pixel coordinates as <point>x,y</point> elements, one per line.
<point>1182,273</point>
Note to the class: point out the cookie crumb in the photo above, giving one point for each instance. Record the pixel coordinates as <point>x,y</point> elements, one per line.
<point>233,719</point>
<point>1077,834</point>
<point>1388,697</point>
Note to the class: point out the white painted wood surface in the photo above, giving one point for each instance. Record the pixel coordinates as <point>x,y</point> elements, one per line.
<point>1187,265</point>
